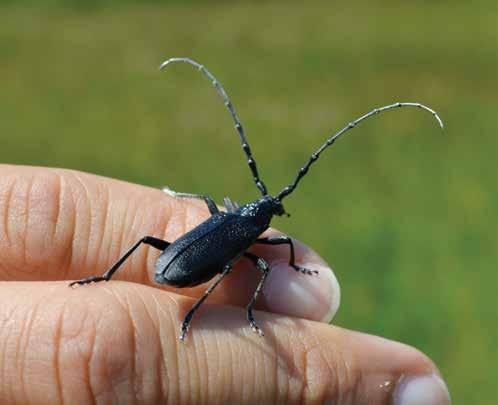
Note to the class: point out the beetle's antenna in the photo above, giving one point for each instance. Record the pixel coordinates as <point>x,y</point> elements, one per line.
<point>228,104</point>
<point>302,172</point>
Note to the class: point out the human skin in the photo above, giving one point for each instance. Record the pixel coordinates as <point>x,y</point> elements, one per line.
<point>117,342</point>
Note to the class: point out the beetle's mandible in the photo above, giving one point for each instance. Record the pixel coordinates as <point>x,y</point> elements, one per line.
<point>212,247</point>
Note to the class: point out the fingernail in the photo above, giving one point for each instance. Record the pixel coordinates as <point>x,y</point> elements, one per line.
<point>421,390</point>
<point>315,297</point>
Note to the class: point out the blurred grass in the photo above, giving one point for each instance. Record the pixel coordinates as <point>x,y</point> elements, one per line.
<point>407,215</point>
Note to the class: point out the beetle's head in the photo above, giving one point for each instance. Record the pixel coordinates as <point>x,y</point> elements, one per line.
<point>277,207</point>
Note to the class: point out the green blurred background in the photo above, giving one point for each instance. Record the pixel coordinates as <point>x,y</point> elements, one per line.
<point>406,215</point>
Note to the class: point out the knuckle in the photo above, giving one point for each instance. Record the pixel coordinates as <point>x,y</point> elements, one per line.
<point>110,349</point>
<point>28,370</point>
<point>329,376</point>
<point>142,361</point>
<point>105,352</point>
<point>30,219</point>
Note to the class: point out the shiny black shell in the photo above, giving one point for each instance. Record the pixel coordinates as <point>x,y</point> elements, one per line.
<point>200,254</point>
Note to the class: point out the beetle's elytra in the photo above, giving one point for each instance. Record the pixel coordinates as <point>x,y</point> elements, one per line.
<point>213,246</point>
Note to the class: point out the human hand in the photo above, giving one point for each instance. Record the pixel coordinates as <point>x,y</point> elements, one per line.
<point>117,342</point>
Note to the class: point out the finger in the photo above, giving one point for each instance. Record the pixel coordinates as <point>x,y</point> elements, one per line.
<point>62,224</point>
<point>119,344</point>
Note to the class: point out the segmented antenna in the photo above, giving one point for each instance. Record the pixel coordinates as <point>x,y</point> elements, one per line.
<point>228,104</point>
<point>314,157</point>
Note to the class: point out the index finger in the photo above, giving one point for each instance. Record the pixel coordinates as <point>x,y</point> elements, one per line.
<point>61,224</point>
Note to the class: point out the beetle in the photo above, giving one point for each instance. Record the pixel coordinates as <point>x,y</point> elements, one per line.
<point>213,246</point>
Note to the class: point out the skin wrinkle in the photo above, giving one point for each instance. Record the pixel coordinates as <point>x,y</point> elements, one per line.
<point>106,210</point>
<point>169,231</point>
<point>58,203</point>
<point>122,224</point>
<point>356,394</point>
<point>311,348</point>
<point>85,201</point>
<point>124,304</point>
<point>340,369</point>
<point>136,224</point>
<point>26,220</point>
<point>255,370</point>
<point>9,331</point>
<point>88,359</point>
<point>42,215</point>
<point>8,203</point>
<point>170,370</point>
<point>152,321</point>
<point>300,376</point>
<point>203,361</point>
<point>52,182</point>
<point>164,386</point>
<point>60,218</point>
<point>104,360</point>
<point>190,369</point>
<point>159,370</point>
<point>345,376</point>
<point>206,360</point>
<point>201,364</point>
<point>226,346</point>
<point>25,338</point>
<point>304,387</point>
<point>70,252</point>
<point>194,371</point>
<point>99,218</point>
<point>279,360</point>
<point>353,378</point>
<point>261,373</point>
<point>56,358</point>
<point>157,384</point>
<point>216,366</point>
<point>135,382</point>
<point>176,351</point>
<point>276,371</point>
<point>6,387</point>
<point>231,369</point>
<point>144,258</point>
<point>246,395</point>
<point>91,360</point>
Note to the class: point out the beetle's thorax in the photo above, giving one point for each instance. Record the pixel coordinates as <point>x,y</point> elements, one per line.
<point>262,210</point>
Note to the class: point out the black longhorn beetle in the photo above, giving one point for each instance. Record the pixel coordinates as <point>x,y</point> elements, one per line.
<point>213,246</point>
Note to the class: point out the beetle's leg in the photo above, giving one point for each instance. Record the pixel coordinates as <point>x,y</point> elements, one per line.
<point>195,307</point>
<point>263,266</point>
<point>148,240</point>
<point>280,240</point>
<point>213,209</point>
<point>230,205</point>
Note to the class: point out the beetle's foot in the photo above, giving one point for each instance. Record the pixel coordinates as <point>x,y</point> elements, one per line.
<point>88,280</point>
<point>254,326</point>
<point>257,329</point>
<point>304,270</point>
<point>184,331</point>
